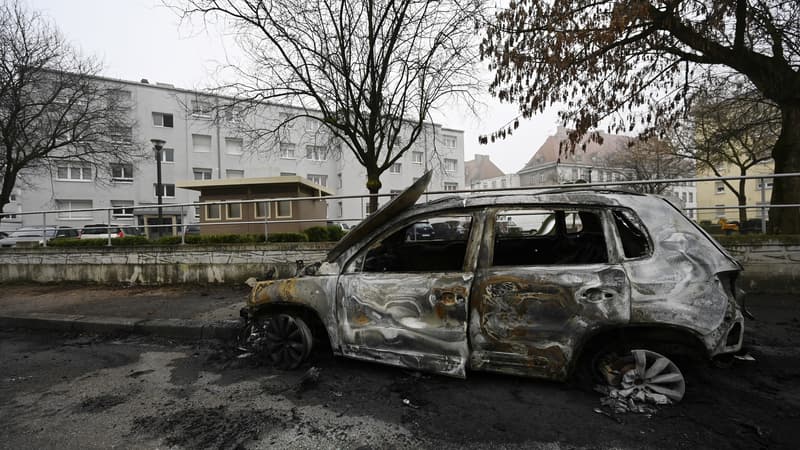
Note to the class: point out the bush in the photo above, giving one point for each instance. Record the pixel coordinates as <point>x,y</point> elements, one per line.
<point>335,233</point>
<point>286,237</point>
<point>316,234</point>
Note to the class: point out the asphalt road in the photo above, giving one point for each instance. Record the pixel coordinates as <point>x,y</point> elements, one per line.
<point>75,391</point>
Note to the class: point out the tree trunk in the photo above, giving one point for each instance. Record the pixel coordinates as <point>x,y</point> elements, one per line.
<point>374,187</point>
<point>742,200</point>
<point>9,179</point>
<point>786,155</point>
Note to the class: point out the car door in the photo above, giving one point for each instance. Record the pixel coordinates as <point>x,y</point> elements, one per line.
<point>540,286</point>
<point>403,300</point>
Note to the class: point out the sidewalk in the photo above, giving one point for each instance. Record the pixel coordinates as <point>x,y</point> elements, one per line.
<point>179,311</point>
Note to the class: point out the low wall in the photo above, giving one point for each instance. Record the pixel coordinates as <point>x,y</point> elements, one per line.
<point>156,265</point>
<point>769,267</point>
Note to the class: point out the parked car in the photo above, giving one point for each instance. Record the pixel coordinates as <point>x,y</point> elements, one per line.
<point>420,231</point>
<point>608,286</point>
<point>33,235</point>
<point>103,230</point>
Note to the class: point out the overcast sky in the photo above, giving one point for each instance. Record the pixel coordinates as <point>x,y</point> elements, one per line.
<point>138,39</point>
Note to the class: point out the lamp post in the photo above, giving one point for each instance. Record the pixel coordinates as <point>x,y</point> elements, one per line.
<point>158,146</point>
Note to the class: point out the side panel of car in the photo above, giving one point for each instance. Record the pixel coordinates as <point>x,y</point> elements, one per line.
<point>683,283</point>
<point>526,318</point>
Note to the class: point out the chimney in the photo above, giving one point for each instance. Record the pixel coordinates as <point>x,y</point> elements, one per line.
<point>144,81</point>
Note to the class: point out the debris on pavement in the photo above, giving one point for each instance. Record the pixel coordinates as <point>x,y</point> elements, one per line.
<point>744,357</point>
<point>407,402</point>
<point>309,379</point>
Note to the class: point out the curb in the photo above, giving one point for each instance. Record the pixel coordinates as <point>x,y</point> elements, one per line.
<point>184,329</point>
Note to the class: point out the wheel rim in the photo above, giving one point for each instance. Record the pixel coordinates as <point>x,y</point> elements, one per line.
<point>287,341</point>
<point>651,372</point>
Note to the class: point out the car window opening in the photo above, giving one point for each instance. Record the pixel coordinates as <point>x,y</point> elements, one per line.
<point>548,237</point>
<point>434,245</point>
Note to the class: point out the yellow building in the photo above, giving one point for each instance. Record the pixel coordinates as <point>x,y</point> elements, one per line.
<point>716,195</point>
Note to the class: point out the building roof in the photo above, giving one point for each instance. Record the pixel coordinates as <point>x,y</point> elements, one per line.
<point>549,152</point>
<point>198,185</point>
<point>480,168</point>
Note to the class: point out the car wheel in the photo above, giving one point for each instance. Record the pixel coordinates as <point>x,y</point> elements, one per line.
<point>641,368</point>
<point>287,341</point>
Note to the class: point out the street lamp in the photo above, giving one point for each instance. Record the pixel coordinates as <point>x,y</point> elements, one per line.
<point>158,145</point>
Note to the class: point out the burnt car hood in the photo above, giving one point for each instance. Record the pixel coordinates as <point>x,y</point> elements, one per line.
<point>385,213</point>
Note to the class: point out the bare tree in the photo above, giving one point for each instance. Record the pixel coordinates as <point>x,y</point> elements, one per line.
<point>369,72</point>
<point>52,107</point>
<point>650,159</point>
<point>732,125</point>
<point>634,63</point>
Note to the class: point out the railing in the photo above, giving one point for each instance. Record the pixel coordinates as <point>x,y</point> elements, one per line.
<point>269,202</point>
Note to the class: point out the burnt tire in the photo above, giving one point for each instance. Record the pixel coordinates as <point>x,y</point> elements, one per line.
<point>287,341</point>
<point>626,367</point>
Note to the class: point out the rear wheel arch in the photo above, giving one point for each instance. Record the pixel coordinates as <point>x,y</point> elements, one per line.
<point>674,341</point>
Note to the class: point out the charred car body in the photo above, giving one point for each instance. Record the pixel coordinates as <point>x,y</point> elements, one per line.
<point>600,279</point>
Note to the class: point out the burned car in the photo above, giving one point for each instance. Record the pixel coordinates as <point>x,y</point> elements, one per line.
<point>605,283</point>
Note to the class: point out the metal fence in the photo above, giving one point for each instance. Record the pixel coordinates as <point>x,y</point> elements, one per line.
<point>179,229</point>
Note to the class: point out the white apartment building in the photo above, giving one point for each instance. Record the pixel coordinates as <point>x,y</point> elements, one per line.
<point>199,147</point>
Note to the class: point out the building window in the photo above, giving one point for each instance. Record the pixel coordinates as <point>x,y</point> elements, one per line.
<point>494,184</point>
<point>122,208</point>
<point>764,184</point>
<point>213,212</point>
<point>449,141</point>
<point>288,174</point>
<point>395,168</point>
<point>691,197</point>
<point>451,186</point>
<point>73,172</point>
<point>234,114</point>
<point>162,120</point>
<point>168,190</point>
<point>321,180</point>
<point>122,172</point>
<point>339,209</point>
<point>286,119</point>
<point>233,146</point>
<point>683,196</point>
<point>395,192</point>
<point>284,209</point>
<point>450,165</point>
<point>197,213</point>
<point>719,187</point>
<point>119,98</point>
<point>574,174</point>
<point>339,181</point>
<point>287,150</point>
<point>720,210</point>
<point>261,210</point>
<point>233,211</point>
<point>168,155</point>
<point>316,153</point>
<point>416,157</point>
<point>234,173</point>
<point>65,207</point>
<point>503,183</point>
<point>201,143</point>
<point>201,174</point>
<point>201,109</point>
<point>121,135</point>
